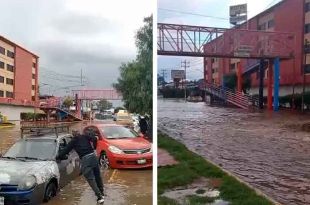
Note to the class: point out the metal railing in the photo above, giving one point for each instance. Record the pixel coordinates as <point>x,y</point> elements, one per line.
<point>236,98</point>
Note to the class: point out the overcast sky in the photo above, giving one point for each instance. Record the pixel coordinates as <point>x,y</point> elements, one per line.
<point>214,8</point>
<point>69,35</point>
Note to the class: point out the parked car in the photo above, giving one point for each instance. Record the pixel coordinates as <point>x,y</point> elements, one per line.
<point>120,147</point>
<point>124,118</point>
<point>30,173</point>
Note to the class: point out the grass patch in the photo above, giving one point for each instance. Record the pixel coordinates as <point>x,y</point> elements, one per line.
<point>166,201</point>
<point>192,166</point>
<point>197,200</point>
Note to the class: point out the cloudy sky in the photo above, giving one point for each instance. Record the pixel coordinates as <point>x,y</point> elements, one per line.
<point>218,9</point>
<point>69,35</point>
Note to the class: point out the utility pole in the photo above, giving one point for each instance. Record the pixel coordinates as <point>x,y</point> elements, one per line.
<point>185,64</point>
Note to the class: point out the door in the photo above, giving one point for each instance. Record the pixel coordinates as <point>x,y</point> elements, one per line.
<point>63,165</point>
<point>73,168</point>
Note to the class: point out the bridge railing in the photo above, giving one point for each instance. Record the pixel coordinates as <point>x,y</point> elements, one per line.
<point>237,98</point>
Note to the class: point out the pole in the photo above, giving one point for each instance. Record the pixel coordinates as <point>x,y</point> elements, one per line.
<point>303,84</point>
<point>185,64</point>
<point>303,55</point>
<point>269,81</point>
<point>261,84</point>
<point>276,85</point>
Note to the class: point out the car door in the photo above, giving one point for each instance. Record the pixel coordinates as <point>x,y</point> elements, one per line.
<point>63,166</point>
<point>73,167</point>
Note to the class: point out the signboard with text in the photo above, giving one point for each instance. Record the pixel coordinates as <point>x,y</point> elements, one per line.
<point>238,13</point>
<point>238,9</point>
<point>177,74</point>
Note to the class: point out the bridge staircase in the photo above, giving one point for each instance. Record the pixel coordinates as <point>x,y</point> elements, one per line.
<point>230,96</point>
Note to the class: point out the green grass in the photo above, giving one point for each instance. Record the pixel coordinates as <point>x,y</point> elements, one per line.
<point>192,166</point>
<point>197,200</point>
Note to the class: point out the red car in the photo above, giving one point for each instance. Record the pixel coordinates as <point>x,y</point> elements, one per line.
<point>121,148</point>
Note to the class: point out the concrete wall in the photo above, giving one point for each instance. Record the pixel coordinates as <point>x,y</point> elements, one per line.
<point>13,112</point>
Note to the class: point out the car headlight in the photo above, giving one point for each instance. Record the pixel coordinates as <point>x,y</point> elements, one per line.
<point>28,182</point>
<point>115,150</point>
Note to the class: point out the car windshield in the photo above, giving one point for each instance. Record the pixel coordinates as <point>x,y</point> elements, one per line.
<point>115,132</point>
<point>32,149</point>
<point>123,117</point>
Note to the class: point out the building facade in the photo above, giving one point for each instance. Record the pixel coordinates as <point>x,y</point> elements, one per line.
<point>287,16</point>
<point>18,79</point>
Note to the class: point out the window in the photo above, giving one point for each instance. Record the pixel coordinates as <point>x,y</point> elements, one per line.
<point>10,67</point>
<point>213,70</point>
<point>9,81</point>
<point>232,66</point>
<point>1,79</point>
<point>2,50</point>
<point>34,65</point>
<point>270,23</point>
<point>307,7</point>
<point>307,69</point>
<point>33,76</point>
<point>307,28</point>
<point>1,64</point>
<point>9,94</point>
<point>10,54</point>
<point>33,98</point>
<point>212,60</point>
<point>1,93</point>
<point>262,27</point>
<point>33,87</point>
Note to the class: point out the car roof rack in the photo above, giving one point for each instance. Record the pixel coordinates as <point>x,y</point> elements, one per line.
<point>36,129</point>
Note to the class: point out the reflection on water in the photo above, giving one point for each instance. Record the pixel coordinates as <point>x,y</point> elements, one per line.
<point>123,187</point>
<point>260,148</point>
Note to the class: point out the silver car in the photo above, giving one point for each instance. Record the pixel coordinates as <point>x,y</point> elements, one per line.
<point>30,173</point>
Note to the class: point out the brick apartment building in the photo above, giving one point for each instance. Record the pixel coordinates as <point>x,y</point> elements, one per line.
<point>18,79</point>
<point>286,16</point>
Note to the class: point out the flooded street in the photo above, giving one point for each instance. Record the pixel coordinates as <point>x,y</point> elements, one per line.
<point>263,149</point>
<point>122,187</point>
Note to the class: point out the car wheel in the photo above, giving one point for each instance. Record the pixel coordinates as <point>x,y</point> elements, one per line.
<point>50,191</point>
<point>104,161</point>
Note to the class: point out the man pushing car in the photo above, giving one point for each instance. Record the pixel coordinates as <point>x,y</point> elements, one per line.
<point>85,146</point>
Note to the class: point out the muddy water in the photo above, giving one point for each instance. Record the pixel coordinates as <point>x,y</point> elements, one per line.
<point>123,187</point>
<point>260,148</point>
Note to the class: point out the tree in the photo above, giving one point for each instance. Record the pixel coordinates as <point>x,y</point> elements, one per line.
<point>68,102</point>
<point>103,104</point>
<point>135,81</point>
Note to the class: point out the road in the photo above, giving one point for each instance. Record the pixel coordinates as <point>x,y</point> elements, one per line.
<point>264,149</point>
<point>123,187</point>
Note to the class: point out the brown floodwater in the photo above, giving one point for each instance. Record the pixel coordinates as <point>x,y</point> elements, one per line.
<point>263,149</point>
<point>123,187</point>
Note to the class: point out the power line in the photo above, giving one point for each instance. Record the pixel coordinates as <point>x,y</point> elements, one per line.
<point>193,14</point>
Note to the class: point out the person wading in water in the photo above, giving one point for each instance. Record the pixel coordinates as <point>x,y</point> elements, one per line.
<point>85,146</point>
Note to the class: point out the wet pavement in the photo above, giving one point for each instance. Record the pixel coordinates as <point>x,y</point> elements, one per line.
<point>123,187</point>
<point>260,148</point>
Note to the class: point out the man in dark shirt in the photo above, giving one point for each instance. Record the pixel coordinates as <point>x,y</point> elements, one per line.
<point>85,146</point>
